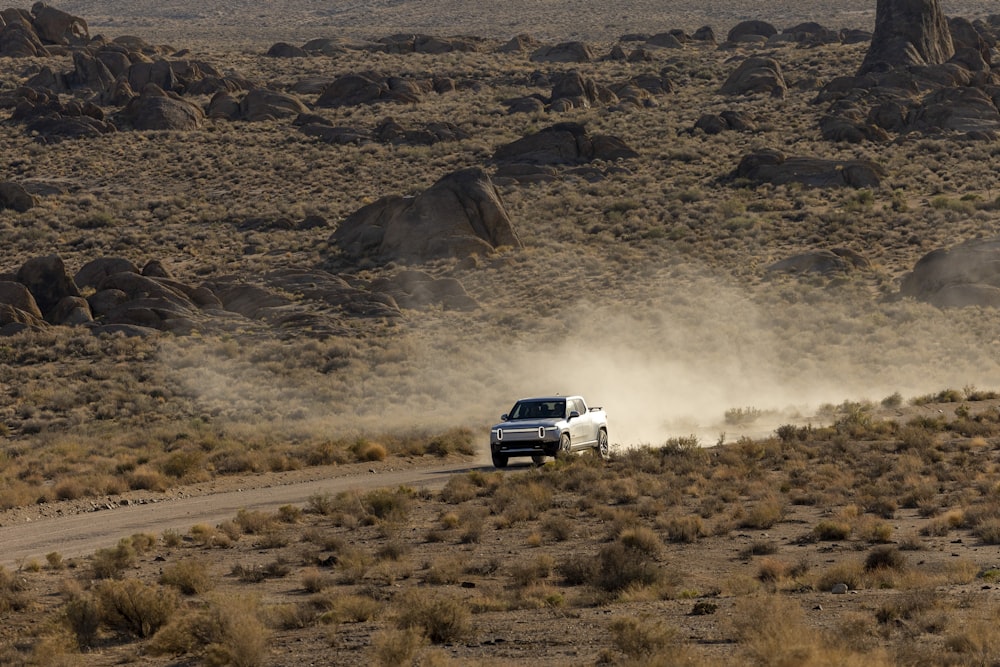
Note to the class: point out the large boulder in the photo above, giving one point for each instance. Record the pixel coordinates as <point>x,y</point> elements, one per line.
<point>48,281</point>
<point>773,166</point>
<point>18,296</point>
<point>18,40</point>
<point>357,89</point>
<point>744,29</point>
<point>756,75</point>
<point>908,32</point>
<point>566,52</point>
<point>57,27</point>
<point>265,104</point>
<point>15,197</point>
<point>563,143</point>
<point>419,290</point>
<point>964,275</point>
<point>154,109</point>
<point>460,215</point>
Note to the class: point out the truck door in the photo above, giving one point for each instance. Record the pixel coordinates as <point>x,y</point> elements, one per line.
<point>581,429</point>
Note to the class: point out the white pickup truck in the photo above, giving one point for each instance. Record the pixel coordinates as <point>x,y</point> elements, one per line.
<point>549,426</point>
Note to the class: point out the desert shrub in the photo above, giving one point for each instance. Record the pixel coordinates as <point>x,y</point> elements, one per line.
<point>289,514</point>
<point>764,514</point>
<point>368,451</point>
<point>388,505</point>
<point>315,581</point>
<point>454,441</point>
<point>55,560</point>
<point>874,531</point>
<point>759,548</point>
<point>832,530</point>
<point>686,529</point>
<point>190,577</point>
<point>111,562</point>
<point>527,572</point>
<point>394,647</point>
<point>559,527</point>
<point>642,638</point>
<point>988,530</point>
<point>183,463</point>
<point>227,631</point>
<point>82,614</point>
<point>135,607</point>
<point>770,570</point>
<point>459,489</point>
<point>147,479</point>
<point>886,557</point>
<point>254,522</point>
<point>771,630</point>
<point>620,567</point>
<point>850,573</point>
<point>441,617</point>
<point>392,550</point>
<point>291,615</point>
<point>522,500</point>
<point>642,540</point>
<point>444,570</point>
<point>13,591</point>
<point>577,569</point>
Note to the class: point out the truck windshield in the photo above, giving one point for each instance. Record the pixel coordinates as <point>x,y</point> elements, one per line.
<point>538,410</point>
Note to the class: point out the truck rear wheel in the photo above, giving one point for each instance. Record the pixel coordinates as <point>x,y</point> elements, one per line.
<point>499,461</point>
<point>603,449</point>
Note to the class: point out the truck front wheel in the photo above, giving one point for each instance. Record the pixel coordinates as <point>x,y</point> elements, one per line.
<point>565,447</point>
<point>499,461</point>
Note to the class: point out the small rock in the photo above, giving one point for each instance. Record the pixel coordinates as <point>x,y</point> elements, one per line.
<point>839,589</point>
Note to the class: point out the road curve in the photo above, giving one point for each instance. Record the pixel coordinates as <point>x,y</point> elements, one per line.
<point>83,534</point>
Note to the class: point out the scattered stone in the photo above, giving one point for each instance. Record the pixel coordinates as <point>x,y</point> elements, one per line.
<point>773,166</point>
<point>756,75</point>
<point>566,52</point>
<point>839,589</point>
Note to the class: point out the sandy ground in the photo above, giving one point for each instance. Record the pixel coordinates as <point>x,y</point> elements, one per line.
<point>299,20</point>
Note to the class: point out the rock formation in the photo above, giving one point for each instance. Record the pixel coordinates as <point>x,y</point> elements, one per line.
<point>908,32</point>
<point>460,215</point>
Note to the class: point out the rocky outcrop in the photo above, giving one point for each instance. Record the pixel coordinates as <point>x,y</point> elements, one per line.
<point>756,75</point>
<point>964,275</point>
<point>417,43</point>
<point>760,30</point>
<point>15,197</point>
<point>563,144</point>
<point>772,166</point>
<point>155,109</point>
<point>460,215</point>
<point>823,262</point>
<point>711,123</point>
<point>908,32</point>
<point>358,89</point>
<point>566,52</point>
<point>418,290</point>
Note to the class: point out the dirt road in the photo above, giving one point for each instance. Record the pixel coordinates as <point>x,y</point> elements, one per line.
<point>81,533</point>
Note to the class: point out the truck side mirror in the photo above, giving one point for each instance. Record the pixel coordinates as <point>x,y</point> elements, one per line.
<point>573,414</point>
<point>503,417</point>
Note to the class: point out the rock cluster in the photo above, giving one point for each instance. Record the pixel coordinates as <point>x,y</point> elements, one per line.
<point>964,275</point>
<point>773,166</point>
<point>113,295</point>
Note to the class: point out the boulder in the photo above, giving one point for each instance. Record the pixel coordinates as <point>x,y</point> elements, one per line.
<point>460,215</point>
<point>665,40</point>
<point>154,109</point>
<point>57,27</point>
<point>18,40</point>
<point>908,32</point>
<point>71,310</point>
<point>566,52</point>
<point>772,166</point>
<point>18,296</point>
<point>358,89</point>
<point>704,34</point>
<point>519,44</point>
<point>14,320</point>
<point>964,109</point>
<point>751,29</point>
<point>265,104</point>
<point>286,50</point>
<point>419,290</point>
<point>563,143</point>
<point>15,197</point>
<point>93,273</point>
<point>964,275</point>
<point>711,123</point>
<point>824,262</point>
<point>159,73</point>
<point>756,75</point>
<point>47,279</point>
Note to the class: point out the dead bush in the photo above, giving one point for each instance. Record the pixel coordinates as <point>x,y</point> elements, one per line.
<point>441,617</point>
<point>135,607</point>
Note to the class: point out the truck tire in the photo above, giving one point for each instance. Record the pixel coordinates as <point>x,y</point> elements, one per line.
<point>565,446</point>
<point>538,459</point>
<point>603,448</point>
<point>499,461</point>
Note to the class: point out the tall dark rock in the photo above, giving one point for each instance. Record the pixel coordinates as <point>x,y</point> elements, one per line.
<point>908,32</point>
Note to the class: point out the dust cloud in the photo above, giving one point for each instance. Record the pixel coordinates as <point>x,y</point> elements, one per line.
<point>663,366</point>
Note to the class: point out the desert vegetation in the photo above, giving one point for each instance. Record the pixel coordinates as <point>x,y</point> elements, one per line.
<point>805,445</point>
<point>866,541</point>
